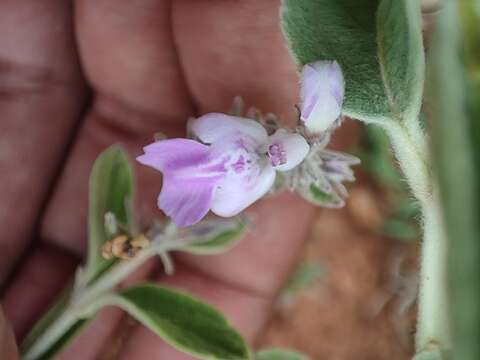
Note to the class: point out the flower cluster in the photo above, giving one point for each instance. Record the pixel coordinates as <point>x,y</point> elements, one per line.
<point>232,166</point>
<point>231,161</point>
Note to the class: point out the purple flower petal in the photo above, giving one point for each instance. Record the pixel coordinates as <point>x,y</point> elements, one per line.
<point>322,94</point>
<point>215,126</point>
<point>171,154</point>
<point>235,169</point>
<point>186,200</point>
<point>232,197</point>
<point>190,175</point>
<point>293,148</point>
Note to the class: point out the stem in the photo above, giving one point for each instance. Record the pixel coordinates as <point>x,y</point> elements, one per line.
<point>84,301</point>
<point>113,277</point>
<point>411,150</point>
<point>54,332</point>
<point>432,321</point>
<point>409,144</point>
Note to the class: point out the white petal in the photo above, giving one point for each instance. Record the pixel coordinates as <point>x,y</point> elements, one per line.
<point>322,93</point>
<point>309,83</point>
<point>295,146</point>
<point>323,114</point>
<point>331,72</point>
<point>232,198</point>
<point>215,126</point>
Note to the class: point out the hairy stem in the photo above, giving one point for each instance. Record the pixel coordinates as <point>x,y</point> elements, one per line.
<point>84,300</point>
<point>410,146</point>
<point>433,323</point>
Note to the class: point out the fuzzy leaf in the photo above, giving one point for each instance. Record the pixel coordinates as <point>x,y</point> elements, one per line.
<point>305,275</point>
<point>111,190</point>
<point>350,32</point>
<point>184,322</point>
<point>401,56</point>
<point>279,354</point>
<point>223,236</point>
<point>454,90</point>
<point>322,198</point>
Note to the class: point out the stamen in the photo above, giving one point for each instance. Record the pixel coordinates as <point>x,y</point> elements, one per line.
<point>277,154</point>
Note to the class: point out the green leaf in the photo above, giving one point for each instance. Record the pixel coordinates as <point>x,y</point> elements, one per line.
<point>111,190</point>
<point>350,32</point>
<point>305,275</point>
<point>279,354</point>
<point>454,91</point>
<point>319,197</point>
<point>184,322</point>
<point>400,229</point>
<point>218,242</point>
<point>401,56</point>
<point>470,14</point>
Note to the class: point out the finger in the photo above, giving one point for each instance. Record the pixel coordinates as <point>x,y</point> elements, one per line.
<point>36,284</point>
<point>230,48</point>
<point>242,42</point>
<point>8,348</point>
<point>41,97</point>
<point>129,58</point>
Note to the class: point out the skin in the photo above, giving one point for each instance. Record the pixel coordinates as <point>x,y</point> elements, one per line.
<point>78,76</point>
<point>8,348</point>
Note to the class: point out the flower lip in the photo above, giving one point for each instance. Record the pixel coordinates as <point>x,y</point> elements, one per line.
<point>286,150</point>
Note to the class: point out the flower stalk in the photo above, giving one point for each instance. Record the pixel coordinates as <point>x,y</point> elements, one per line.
<point>411,150</point>
<point>87,300</point>
<point>433,330</point>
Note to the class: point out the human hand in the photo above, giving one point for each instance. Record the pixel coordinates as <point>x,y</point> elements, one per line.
<point>128,70</point>
<point>8,348</point>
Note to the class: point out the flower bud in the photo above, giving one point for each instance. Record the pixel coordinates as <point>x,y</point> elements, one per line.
<point>322,91</point>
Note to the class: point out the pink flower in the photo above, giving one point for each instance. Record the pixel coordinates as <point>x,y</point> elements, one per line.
<point>233,166</point>
<point>322,93</point>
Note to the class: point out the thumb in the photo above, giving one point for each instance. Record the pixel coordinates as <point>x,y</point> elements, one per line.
<point>8,347</point>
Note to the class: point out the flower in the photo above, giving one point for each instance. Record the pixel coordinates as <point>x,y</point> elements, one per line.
<point>233,165</point>
<point>320,177</point>
<point>322,91</point>
<point>334,168</point>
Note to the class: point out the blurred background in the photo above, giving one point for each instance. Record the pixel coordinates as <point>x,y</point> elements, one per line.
<point>353,293</point>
